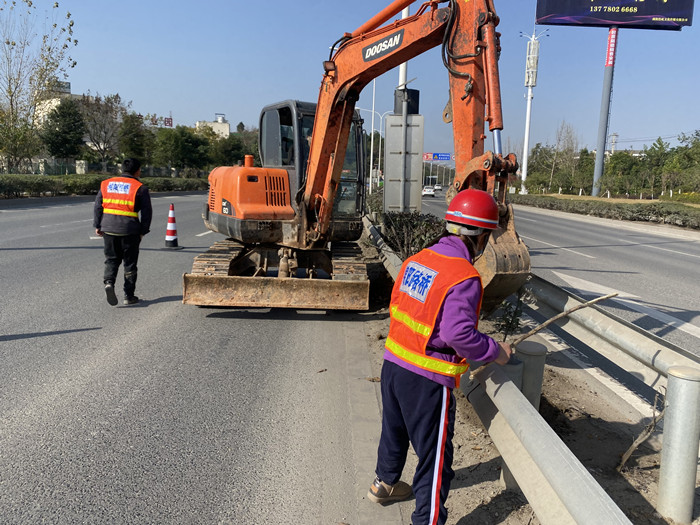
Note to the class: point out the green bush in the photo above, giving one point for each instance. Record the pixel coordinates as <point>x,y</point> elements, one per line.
<point>690,198</point>
<point>15,186</point>
<point>170,184</point>
<point>662,212</point>
<point>82,184</point>
<point>409,233</point>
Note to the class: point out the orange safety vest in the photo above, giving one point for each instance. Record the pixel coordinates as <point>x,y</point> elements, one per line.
<point>119,196</point>
<point>416,299</point>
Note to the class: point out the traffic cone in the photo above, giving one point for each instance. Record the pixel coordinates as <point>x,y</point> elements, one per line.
<point>171,232</point>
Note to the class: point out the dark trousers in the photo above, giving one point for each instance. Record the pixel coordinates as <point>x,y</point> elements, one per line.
<point>118,249</point>
<point>422,412</point>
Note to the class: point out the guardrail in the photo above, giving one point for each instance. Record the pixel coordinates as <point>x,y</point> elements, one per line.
<point>651,356</point>
<point>557,486</point>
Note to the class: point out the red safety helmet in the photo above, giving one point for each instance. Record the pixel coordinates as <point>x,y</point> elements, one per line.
<point>473,208</point>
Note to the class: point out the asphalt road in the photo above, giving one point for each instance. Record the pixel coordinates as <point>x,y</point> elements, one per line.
<point>163,412</point>
<point>653,268</point>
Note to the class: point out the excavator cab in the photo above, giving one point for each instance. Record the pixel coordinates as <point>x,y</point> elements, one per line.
<point>285,140</point>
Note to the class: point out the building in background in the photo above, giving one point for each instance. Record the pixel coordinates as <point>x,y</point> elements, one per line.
<point>220,125</point>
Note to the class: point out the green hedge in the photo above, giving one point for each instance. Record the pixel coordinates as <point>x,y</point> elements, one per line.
<point>14,186</point>
<point>690,198</point>
<point>661,212</point>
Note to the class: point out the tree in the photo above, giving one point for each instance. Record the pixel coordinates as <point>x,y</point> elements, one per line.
<point>63,131</point>
<point>135,139</point>
<point>226,151</point>
<point>583,175</point>
<point>180,148</point>
<point>539,165</point>
<point>103,117</point>
<point>31,62</point>
<point>621,174</point>
<point>240,128</point>
<point>564,162</point>
<point>653,163</point>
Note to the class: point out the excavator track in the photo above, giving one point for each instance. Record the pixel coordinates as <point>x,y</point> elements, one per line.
<point>209,283</point>
<point>217,259</point>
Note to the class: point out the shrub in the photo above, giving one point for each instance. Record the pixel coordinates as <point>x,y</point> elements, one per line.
<point>662,212</point>
<point>15,186</point>
<point>409,233</point>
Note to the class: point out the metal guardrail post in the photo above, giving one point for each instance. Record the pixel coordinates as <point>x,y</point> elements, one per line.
<point>679,454</point>
<point>530,359</point>
<point>533,356</point>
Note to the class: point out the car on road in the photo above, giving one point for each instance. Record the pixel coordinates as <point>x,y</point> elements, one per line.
<point>428,191</point>
<point>437,187</point>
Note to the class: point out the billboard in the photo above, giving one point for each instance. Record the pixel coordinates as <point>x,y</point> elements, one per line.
<point>639,14</point>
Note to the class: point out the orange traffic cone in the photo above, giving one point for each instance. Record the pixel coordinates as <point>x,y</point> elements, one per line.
<point>171,232</point>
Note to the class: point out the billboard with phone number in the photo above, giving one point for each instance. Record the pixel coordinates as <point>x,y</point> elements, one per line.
<point>640,14</point>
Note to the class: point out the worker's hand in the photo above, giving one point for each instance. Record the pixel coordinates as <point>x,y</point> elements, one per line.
<point>99,232</point>
<point>504,352</point>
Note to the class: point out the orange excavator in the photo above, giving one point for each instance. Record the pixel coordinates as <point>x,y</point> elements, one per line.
<point>292,224</point>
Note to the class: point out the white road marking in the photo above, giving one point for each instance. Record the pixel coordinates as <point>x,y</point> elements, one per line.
<point>559,247</point>
<point>203,234</point>
<point>662,249</point>
<point>629,300</point>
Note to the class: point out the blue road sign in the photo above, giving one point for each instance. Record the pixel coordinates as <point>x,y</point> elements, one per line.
<point>442,156</point>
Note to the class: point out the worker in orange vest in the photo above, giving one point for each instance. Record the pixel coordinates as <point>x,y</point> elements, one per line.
<point>434,309</point>
<point>116,219</point>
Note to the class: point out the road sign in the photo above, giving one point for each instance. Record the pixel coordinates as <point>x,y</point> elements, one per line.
<point>427,156</point>
<point>441,156</point>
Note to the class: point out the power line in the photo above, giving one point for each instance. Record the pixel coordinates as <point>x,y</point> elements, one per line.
<point>652,139</point>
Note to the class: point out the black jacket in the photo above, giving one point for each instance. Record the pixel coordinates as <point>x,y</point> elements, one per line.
<point>119,224</point>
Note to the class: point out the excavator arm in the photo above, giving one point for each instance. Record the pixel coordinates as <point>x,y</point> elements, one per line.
<point>470,46</point>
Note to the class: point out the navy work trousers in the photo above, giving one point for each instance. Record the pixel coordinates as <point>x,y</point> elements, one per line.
<point>422,412</point>
<point>118,249</point>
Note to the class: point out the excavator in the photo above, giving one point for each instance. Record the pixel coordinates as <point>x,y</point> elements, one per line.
<point>292,224</point>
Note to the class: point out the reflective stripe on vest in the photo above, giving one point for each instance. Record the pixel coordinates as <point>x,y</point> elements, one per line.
<point>119,196</point>
<point>419,292</point>
<point>426,362</point>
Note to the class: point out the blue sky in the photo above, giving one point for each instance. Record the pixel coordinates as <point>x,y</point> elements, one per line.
<point>195,59</point>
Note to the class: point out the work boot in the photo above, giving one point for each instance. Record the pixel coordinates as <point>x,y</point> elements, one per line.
<point>382,493</point>
<point>111,296</point>
<point>131,300</point>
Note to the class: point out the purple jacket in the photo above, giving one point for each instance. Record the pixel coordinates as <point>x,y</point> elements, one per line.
<point>455,332</point>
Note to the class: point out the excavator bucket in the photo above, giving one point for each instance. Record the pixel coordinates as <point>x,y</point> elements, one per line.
<point>504,266</point>
<point>275,292</point>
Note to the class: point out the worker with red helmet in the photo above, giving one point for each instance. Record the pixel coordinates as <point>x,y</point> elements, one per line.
<point>434,311</point>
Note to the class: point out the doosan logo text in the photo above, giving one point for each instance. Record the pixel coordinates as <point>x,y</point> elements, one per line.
<point>384,47</point>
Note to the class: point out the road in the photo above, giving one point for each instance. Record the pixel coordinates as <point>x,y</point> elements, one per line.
<point>167,413</point>
<point>653,268</point>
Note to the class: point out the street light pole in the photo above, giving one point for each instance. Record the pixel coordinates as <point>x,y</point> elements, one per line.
<point>379,153</point>
<point>533,54</point>
<point>382,139</point>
